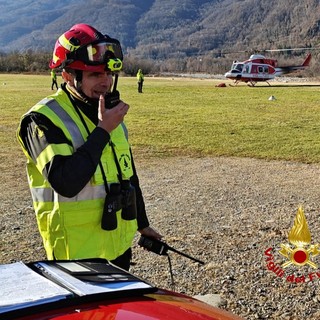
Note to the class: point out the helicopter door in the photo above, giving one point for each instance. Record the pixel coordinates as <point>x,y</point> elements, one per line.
<point>247,68</point>
<point>263,70</point>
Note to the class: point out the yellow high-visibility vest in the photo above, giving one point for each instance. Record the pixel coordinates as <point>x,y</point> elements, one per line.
<point>71,227</point>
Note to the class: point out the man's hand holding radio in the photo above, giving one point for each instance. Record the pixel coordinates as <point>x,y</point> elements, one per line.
<point>109,119</point>
<point>150,233</point>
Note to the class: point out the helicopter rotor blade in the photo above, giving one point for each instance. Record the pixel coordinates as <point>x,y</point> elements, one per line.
<point>251,51</point>
<point>290,49</point>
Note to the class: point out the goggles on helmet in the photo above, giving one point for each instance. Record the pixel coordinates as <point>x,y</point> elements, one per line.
<point>106,52</point>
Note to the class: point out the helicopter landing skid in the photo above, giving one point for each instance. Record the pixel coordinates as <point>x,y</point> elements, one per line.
<point>253,83</point>
<point>235,83</point>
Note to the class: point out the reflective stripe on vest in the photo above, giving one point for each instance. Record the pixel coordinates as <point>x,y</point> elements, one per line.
<point>77,139</point>
<point>48,195</point>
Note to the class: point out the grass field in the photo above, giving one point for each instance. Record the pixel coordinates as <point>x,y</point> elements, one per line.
<point>227,211</point>
<point>176,116</point>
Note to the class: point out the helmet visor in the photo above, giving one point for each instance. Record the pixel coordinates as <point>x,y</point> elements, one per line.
<point>102,52</point>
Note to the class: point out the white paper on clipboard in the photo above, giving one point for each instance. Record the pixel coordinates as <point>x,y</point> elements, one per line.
<point>22,287</point>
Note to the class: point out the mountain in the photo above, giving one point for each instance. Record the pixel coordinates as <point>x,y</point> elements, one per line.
<point>32,24</point>
<point>165,29</point>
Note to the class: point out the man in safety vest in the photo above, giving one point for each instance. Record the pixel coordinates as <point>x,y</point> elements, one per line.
<point>53,79</point>
<point>140,78</point>
<point>81,173</point>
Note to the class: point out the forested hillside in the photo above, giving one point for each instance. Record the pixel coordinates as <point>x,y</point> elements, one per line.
<point>183,33</point>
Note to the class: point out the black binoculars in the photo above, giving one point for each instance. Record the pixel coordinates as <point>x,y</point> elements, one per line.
<point>121,196</point>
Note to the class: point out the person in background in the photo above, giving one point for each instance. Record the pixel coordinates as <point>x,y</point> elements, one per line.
<point>81,173</point>
<point>53,79</point>
<point>140,79</point>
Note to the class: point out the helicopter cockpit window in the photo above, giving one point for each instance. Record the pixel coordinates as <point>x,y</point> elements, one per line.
<point>237,67</point>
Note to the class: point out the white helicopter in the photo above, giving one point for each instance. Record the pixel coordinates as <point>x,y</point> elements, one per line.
<point>259,68</point>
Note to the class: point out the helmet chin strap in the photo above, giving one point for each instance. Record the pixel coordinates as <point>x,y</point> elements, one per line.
<point>76,89</point>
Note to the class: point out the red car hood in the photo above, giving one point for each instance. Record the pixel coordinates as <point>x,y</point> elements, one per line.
<point>156,306</point>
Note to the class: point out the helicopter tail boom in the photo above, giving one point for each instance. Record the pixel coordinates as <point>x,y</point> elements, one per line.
<point>289,69</point>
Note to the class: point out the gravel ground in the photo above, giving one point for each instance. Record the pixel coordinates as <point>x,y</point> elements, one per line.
<point>224,211</point>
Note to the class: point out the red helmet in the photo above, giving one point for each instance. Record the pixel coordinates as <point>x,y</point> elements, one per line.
<point>84,48</point>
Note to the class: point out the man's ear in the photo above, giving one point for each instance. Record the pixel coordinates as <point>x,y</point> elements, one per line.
<point>67,77</point>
